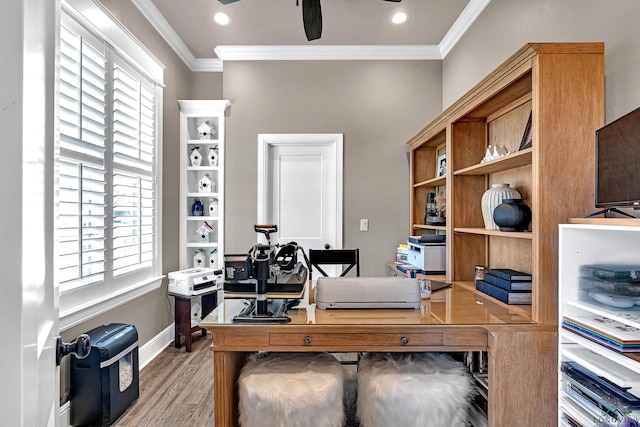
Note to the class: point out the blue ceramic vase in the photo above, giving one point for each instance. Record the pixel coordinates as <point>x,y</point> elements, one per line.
<point>512,215</point>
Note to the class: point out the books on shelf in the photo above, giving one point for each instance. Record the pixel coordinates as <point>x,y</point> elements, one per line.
<point>510,275</point>
<point>517,285</point>
<point>606,331</point>
<point>506,296</point>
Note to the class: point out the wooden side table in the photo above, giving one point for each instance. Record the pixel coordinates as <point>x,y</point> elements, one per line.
<point>182,307</point>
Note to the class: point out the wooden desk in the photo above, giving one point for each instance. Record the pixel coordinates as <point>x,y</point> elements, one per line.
<point>455,319</point>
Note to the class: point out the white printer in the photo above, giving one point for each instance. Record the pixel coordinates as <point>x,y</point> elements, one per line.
<point>428,253</point>
<point>194,281</point>
<point>367,292</point>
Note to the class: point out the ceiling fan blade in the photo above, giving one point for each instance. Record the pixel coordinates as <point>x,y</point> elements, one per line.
<point>395,1</point>
<point>227,1</point>
<point>312,19</point>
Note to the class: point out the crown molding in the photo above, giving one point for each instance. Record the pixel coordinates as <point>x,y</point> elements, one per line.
<point>468,16</point>
<point>327,53</point>
<point>315,52</point>
<point>158,21</point>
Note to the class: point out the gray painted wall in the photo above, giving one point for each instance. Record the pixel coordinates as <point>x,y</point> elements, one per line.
<point>506,25</point>
<point>377,105</point>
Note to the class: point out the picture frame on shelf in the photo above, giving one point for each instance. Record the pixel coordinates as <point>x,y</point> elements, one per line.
<point>441,165</point>
<point>527,137</point>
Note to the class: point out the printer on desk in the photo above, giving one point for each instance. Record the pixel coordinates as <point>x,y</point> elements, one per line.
<point>428,253</point>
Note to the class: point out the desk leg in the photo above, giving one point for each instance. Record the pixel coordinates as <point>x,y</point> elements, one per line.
<point>226,369</point>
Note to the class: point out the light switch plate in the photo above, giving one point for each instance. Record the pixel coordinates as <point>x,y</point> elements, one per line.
<point>364,224</point>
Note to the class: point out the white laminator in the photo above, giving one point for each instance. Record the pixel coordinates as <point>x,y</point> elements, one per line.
<point>194,281</point>
<point>367,292</point>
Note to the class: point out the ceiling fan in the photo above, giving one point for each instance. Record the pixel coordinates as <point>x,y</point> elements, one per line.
<point>311,16</point>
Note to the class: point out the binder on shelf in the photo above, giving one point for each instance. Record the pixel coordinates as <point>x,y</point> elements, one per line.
<point>507,284</point>
<point>510,275</point>
<point>507,297</point>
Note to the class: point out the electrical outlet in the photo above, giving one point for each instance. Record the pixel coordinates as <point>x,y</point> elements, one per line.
<point>364,224</point>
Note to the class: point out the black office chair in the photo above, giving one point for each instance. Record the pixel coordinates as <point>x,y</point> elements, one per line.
<point>348,257</point>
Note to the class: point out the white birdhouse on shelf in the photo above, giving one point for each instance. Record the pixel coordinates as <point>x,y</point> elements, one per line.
<point>204,233</point>
<point>205,131</point>
<point>213,207</point>
<point>196,157</point>
<point>205,185</point>
<point>213,156</point>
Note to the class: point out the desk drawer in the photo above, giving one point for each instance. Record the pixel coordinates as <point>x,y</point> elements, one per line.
<point>356,339</point>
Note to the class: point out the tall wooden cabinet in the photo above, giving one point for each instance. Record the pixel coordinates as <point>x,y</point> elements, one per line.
<point>561,86</point>
<point>202,179</point>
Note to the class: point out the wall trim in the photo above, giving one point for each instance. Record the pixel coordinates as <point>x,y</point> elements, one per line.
<point>146,353</point>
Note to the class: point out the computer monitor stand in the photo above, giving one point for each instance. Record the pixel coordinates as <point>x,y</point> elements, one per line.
<point>608,210</point>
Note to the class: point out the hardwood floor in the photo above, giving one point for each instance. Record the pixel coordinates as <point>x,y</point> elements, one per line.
<point>176,389</point>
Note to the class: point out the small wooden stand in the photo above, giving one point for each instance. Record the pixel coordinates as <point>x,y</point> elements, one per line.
<point>183,316</point>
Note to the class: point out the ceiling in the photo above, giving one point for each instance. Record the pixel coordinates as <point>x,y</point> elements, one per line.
<point>273,29</point>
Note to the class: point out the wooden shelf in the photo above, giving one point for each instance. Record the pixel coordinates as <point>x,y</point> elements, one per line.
<point>517,235</point>
<point>511,161</point>
<point>430,227</point>
<point>435,182</point>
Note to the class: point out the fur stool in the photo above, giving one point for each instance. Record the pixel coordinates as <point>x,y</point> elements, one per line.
<point>291,389</point>
<point>413,389</point>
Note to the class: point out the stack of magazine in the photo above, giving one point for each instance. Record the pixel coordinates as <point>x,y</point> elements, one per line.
<point>506,285</point>
<point>610,298</point>
<point>589,399</point>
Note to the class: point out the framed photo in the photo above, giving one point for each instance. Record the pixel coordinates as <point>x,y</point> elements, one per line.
<point>527,137</point>
<point>441,165</point>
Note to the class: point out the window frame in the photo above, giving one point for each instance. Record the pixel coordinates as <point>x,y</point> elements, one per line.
<point>82,303</point>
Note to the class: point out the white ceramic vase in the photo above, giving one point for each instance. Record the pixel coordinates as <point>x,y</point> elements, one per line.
<point>492,198</point>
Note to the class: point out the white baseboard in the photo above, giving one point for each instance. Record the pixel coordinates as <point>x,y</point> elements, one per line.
<point>146,354</point>
<point>155,345</point>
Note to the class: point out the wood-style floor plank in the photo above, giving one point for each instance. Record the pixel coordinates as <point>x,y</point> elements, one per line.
<point>176,389</point>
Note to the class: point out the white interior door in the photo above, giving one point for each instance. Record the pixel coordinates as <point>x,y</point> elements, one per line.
<point>29,311</point>
<point>300,188</point>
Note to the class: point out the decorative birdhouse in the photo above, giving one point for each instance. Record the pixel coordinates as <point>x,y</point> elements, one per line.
<point>199,259</point>
<point>195,156</point>
<point>213,207</point>
<point>213,258</point>
<point>204,233</point>
<point>213,156</point>
<point>205,185</point>
<point>205,131</point>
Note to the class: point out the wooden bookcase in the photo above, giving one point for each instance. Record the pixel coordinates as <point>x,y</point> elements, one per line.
<point>561,85</point>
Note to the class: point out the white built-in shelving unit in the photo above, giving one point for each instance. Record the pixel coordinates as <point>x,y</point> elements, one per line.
<point>193,113</point>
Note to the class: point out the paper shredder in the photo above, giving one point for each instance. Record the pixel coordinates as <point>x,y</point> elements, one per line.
<point>106,382</point>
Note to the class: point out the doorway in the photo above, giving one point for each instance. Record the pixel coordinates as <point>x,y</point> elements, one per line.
<point>300,188</point>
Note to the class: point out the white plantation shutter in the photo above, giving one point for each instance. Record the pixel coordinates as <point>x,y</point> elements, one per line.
<point>133,160</point>
<point>83,102</point>
<point>107,194</point>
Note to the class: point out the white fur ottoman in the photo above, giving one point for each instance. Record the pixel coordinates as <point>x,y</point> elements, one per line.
<point>291,389</point>
<point>413,389</point>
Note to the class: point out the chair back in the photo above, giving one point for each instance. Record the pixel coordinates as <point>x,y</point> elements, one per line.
<point>348,257</point>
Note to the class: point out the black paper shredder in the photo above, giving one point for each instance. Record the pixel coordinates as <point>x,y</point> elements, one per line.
<point>106,382</point>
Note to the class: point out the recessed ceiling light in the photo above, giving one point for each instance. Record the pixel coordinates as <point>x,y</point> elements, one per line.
<point>399,17</point>
<point>222,18</point>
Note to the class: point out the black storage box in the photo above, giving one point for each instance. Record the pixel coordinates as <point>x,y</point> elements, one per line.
<point>106,382</point>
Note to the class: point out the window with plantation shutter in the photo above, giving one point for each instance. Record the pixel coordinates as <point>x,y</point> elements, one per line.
<point>107,203</point>
<point>82,112</point>
<point>133,156</point>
